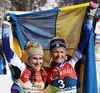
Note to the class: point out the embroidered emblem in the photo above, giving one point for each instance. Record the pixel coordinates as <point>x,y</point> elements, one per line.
<point>57,45</point>
<point>31,47</point>
<point>37,50</point>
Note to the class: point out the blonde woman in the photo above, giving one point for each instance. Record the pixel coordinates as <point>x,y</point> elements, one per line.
<point>63,76</point>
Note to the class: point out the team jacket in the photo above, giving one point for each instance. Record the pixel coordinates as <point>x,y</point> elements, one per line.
<point>21,71</point>
<point>68,80</point>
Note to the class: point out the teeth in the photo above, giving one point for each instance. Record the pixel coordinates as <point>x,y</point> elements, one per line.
<point>58,58</point>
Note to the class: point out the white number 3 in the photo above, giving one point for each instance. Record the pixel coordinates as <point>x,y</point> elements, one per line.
<point>61,84</point>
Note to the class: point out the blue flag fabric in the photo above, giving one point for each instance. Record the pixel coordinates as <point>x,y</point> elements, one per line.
<point>90,77</point>
<point>35,26</point>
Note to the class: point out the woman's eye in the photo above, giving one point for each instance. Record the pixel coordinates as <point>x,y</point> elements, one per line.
<point>62,51</point>
<point>40,58</point>
<point>34,58</point>
<point>55,52</point>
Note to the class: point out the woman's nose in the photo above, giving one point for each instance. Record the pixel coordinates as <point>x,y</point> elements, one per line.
<point>38,61</point>
<point>59,54</point>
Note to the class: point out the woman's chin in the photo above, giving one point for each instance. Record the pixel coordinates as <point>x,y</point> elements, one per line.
<point>37,68</point>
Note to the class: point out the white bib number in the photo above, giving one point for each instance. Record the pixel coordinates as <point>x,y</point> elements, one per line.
<point>61,84</point>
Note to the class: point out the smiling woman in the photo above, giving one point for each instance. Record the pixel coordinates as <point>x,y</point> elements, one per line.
<point>58,55</point>
<point>30,76</point>
<point>34,55</point>
<point>62,75</point>
<point>36,61</point>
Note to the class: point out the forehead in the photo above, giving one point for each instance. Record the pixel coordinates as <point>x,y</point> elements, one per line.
<point>37,56</point>
<point>58,49</point>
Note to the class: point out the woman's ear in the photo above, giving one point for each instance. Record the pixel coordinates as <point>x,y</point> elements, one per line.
<point>66,57</point>
<point>28,61</point>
